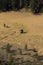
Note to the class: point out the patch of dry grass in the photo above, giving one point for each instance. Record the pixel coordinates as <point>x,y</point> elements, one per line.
<point>32,24</point>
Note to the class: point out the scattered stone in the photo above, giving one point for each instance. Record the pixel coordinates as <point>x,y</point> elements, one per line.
<point>6,26</point>
<point>22,31</point>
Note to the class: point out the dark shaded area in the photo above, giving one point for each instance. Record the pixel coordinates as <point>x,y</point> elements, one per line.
<point>16,5</point>
<point>8,7</point>
<point>36,6</point>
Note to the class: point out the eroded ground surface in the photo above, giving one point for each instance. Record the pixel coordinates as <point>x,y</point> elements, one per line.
<point>31,24</point>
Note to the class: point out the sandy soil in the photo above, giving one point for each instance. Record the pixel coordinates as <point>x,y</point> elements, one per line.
<point>31,24</point>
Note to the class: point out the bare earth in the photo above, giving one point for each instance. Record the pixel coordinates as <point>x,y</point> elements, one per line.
<point>32,25</point>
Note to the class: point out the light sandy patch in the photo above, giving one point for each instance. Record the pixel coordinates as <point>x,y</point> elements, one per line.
<point>32,24</point>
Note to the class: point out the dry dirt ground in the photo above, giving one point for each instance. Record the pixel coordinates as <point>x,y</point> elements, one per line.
<point>31,24</point>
